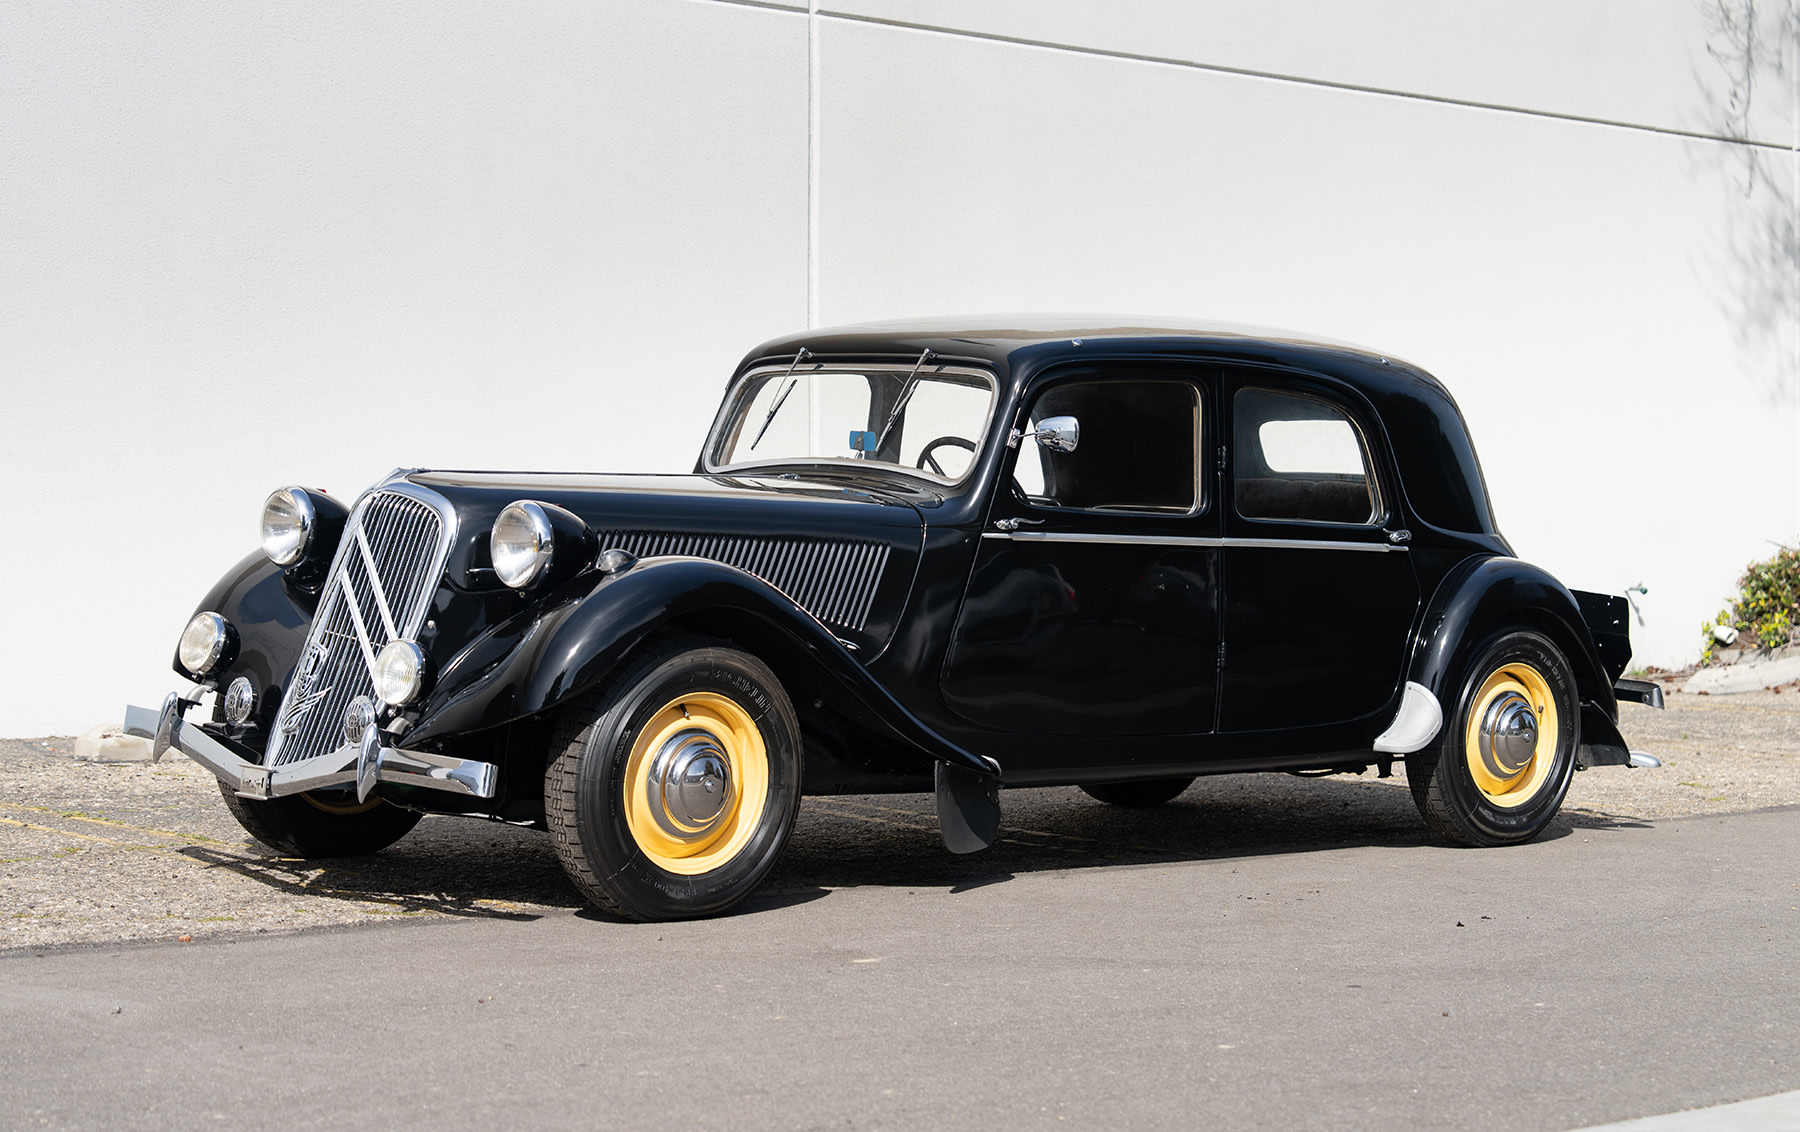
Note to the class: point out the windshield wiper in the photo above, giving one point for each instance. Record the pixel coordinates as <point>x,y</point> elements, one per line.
<point>906,392</point>
<point>781,400</point>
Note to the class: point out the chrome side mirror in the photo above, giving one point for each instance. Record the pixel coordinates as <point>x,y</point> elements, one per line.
<point>1058,434</point>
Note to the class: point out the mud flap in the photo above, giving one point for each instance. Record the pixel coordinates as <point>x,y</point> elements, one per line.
<point>968,807</point>
<point>1601,743</point>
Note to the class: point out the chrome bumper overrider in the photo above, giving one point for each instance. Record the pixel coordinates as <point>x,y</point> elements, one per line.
<point>361,766</point>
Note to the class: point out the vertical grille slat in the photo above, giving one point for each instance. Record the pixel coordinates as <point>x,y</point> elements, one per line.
<point>409,542</point>
<point>834,581</point>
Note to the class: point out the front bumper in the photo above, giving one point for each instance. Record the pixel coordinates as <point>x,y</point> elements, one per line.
<point>362,765</point>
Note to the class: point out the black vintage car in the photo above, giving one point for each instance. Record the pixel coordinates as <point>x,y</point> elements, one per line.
<point>911,556</point>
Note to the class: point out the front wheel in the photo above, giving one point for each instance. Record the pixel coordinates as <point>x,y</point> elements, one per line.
<point>321,824</point>
<point>672,789</point>
<point>1498,772</point>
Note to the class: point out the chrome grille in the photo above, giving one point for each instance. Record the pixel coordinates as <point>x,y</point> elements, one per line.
<point>833,581</point>
<point>380,588</point>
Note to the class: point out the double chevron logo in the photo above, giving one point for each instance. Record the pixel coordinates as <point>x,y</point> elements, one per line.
<point>301,697</point>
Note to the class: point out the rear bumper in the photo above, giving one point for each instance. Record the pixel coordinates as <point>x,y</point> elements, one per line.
<point>362,766</point>
<point>1646,692</point>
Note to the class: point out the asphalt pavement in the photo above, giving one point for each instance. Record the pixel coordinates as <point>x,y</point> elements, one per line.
<point>1612,970</point>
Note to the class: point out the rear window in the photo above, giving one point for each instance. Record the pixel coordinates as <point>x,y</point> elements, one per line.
<point>1300,459</point>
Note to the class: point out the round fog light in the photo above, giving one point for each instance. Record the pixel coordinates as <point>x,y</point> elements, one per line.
<point>399,672</point>
<point>203,643</point>
<point>240,701</point>
<point>359,716</point>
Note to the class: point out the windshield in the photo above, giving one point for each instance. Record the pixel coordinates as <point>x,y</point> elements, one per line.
<point>829,414</point>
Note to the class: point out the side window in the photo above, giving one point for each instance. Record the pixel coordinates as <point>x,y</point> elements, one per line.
<point>1138,448</point>
<point>1300,458</point>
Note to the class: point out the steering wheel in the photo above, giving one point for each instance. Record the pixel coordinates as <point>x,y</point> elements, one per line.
<point>927,460</point>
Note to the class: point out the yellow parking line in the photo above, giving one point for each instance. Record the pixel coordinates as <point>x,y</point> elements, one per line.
<point>89,837</point>
<point>69,816</point>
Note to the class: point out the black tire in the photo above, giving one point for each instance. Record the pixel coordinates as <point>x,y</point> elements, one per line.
<point>1138,794</point>
<point>322,824</point>
<point>1494,795</point>
<point>681,699</point>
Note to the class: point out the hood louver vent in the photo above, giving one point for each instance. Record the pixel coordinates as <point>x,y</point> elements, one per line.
<point>834,581</point>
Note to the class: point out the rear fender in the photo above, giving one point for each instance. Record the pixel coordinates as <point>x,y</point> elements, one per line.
<point>543,659</point>
<point>1487,595</point>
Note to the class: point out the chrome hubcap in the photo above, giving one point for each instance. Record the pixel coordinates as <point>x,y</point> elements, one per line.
<point>690,784</point>
<point>1509,734</point>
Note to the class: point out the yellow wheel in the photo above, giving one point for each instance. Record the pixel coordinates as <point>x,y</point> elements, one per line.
<point>696,783</point>
<point>672,788</point>
<point>1501,766</point>
<point>1509,741</point>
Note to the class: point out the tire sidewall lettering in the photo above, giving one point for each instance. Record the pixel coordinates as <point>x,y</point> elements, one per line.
<point>1490,822</point>
<point>621,866</point>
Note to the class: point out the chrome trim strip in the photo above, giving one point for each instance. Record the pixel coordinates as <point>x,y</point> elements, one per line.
<point>1183,540</point>
<point>1311,544</point>
<point>381,601</point>
<point>354,608</point>
<point>1121,540</point>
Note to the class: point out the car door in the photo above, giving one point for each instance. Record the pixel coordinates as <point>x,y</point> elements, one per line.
<point>1320,590</point>
<point>1092,608</point>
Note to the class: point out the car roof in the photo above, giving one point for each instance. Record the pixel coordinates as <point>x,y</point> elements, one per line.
<point>1006,341</point>
<point>1429,437</point>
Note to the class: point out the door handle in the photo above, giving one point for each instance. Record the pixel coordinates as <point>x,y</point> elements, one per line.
<point>1013,524</point>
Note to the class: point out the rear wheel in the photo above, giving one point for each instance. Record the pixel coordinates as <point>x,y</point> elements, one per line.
<point>1139,794</point>
<point>321,824</point>
<point>672,789</point>
<point>1499,770</point>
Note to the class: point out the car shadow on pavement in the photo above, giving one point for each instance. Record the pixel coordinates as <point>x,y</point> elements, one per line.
<point>450,866</point>
<point>471,869</point>
<point>893,839</point>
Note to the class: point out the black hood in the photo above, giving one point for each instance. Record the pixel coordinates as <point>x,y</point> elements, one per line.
<point>697,504</point>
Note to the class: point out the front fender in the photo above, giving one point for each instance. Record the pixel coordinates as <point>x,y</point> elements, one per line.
<point>547,656</point>
<point>271,614</point>
<point>1485,595</point>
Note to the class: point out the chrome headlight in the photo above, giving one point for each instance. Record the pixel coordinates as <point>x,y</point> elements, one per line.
<point>204,643</point>
<point>399,672</point>
<point>288,522</point>
<point>521,543</point>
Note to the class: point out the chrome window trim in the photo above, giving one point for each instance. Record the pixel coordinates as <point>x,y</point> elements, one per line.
<point>714,434</point>
<point>1184,540</point>
<point>1377,495</point>
<point>1202,497</point>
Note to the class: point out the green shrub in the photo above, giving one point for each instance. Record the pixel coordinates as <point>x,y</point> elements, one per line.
<point>1767,607</point>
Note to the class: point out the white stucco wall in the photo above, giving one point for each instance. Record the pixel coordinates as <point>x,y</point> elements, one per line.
<point>243,246</point>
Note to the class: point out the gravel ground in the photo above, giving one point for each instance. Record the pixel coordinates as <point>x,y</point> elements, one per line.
<point>103,853</point>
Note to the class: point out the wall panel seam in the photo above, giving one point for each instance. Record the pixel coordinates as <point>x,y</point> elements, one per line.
<point>1253,73</point>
